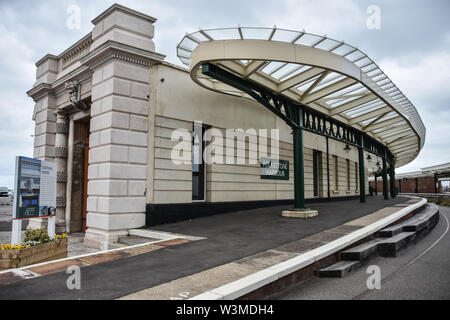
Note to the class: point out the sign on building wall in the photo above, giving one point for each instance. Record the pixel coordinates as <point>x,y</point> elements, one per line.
<point>35,188</point>
<point>274,169</point>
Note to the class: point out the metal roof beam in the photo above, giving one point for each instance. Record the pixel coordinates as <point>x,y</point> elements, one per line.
<point>370,115</point>
<point>314,84</point>
<point>353,104</point>
<point>342,84</point>
<point>396,137</point>
<point>393,130</point>
<point>299,78</point>
<point>382,124</point>
<point>405,148</point>
<point>403,141</point>
<point>253,66</point>
<point>377,118</point>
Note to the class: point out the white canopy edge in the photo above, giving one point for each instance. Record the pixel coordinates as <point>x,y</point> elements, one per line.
<point>327,75</point>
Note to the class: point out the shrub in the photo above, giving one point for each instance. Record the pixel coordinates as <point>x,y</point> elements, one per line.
<point>441,201</point>
<point>37,235</point>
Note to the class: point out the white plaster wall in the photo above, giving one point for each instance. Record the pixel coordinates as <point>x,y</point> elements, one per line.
<point>178,102</point>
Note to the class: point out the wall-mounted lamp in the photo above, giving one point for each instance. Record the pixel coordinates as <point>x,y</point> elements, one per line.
<point>369,157</point>
<point>347,148</point>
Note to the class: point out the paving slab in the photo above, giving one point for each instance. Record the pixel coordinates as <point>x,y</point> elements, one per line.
<point>266,259</point>
<point>105,257</point>
<point>55,267</point>
<point>195,284</point>
<point>325,236</point>
<point>142,249</point>
<point>300,246</point>
<point>173,242</point>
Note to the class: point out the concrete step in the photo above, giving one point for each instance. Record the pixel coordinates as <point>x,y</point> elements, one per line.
<point>361,252</point>
<point>390,231</point>
<point>431,216</point>
<point>391,246</point>
<point>425,219</point>
<point>339,269</point>
<point>416,224</point>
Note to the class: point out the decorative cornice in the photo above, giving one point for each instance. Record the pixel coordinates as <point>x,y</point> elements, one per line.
<point>46,57</point>
<point>118,7</point>
<point>40,91</point>
<point>76,52</point>
<point>116,50</point>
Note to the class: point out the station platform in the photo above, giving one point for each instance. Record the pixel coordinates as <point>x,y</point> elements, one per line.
<point>201,254</point>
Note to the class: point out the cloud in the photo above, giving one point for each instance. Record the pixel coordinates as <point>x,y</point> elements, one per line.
<point>424,80</point>
<point>333,18</point>
<point>17,72</point>
<point>420,76</point>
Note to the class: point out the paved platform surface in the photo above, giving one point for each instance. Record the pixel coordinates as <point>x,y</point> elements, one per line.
<point>422,271</point>
<point>230,237</point>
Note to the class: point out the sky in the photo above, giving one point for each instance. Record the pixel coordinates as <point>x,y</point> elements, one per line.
<point>412,46</point>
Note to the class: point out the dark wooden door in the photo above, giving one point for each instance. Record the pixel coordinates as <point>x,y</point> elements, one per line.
<point>85,178</point>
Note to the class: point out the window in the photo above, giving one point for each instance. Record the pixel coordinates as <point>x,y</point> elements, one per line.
<point>356,176</point>
<point>198,165</point>
<point>336,173</point>
<point>317,156</point>
<point>348,175</point>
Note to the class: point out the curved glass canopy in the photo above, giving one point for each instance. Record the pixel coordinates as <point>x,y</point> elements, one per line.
<point>329,76</point>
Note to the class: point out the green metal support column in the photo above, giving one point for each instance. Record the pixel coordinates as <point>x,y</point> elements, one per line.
<point>435,183</point>
<point>362,178</point>
<point>376,184</point>
<point>299,169</point>
<point>385,183</point>
<point>392,181</point>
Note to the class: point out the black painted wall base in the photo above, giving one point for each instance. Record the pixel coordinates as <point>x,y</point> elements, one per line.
<point>157,214</point>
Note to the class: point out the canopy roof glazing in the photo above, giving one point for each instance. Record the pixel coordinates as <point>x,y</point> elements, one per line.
<point>330,76</point>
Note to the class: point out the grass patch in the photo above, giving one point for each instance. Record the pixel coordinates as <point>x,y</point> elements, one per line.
<point>441,201</point>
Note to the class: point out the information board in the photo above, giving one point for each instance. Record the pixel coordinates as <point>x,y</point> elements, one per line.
<point>35,188</point>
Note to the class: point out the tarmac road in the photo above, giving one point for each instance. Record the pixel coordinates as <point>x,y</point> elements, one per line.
<point>422,271</point>
<point>6,216</point>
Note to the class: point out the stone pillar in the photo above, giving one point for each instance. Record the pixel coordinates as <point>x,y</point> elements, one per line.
<point>44,117</point>
<point>119,125</point>
<point>61,151</point>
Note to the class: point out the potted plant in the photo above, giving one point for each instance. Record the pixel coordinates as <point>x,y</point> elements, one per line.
<point>37,246</point>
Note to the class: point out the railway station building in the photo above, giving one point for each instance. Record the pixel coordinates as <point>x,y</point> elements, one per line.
<point>311,118</point>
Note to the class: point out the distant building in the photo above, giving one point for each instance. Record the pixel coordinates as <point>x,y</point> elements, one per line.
<point>427,180</point>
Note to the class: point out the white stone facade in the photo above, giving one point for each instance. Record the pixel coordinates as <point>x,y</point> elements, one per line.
<point>131,101</point>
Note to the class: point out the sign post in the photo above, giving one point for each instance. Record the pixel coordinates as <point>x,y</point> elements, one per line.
<point>35,194</point>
